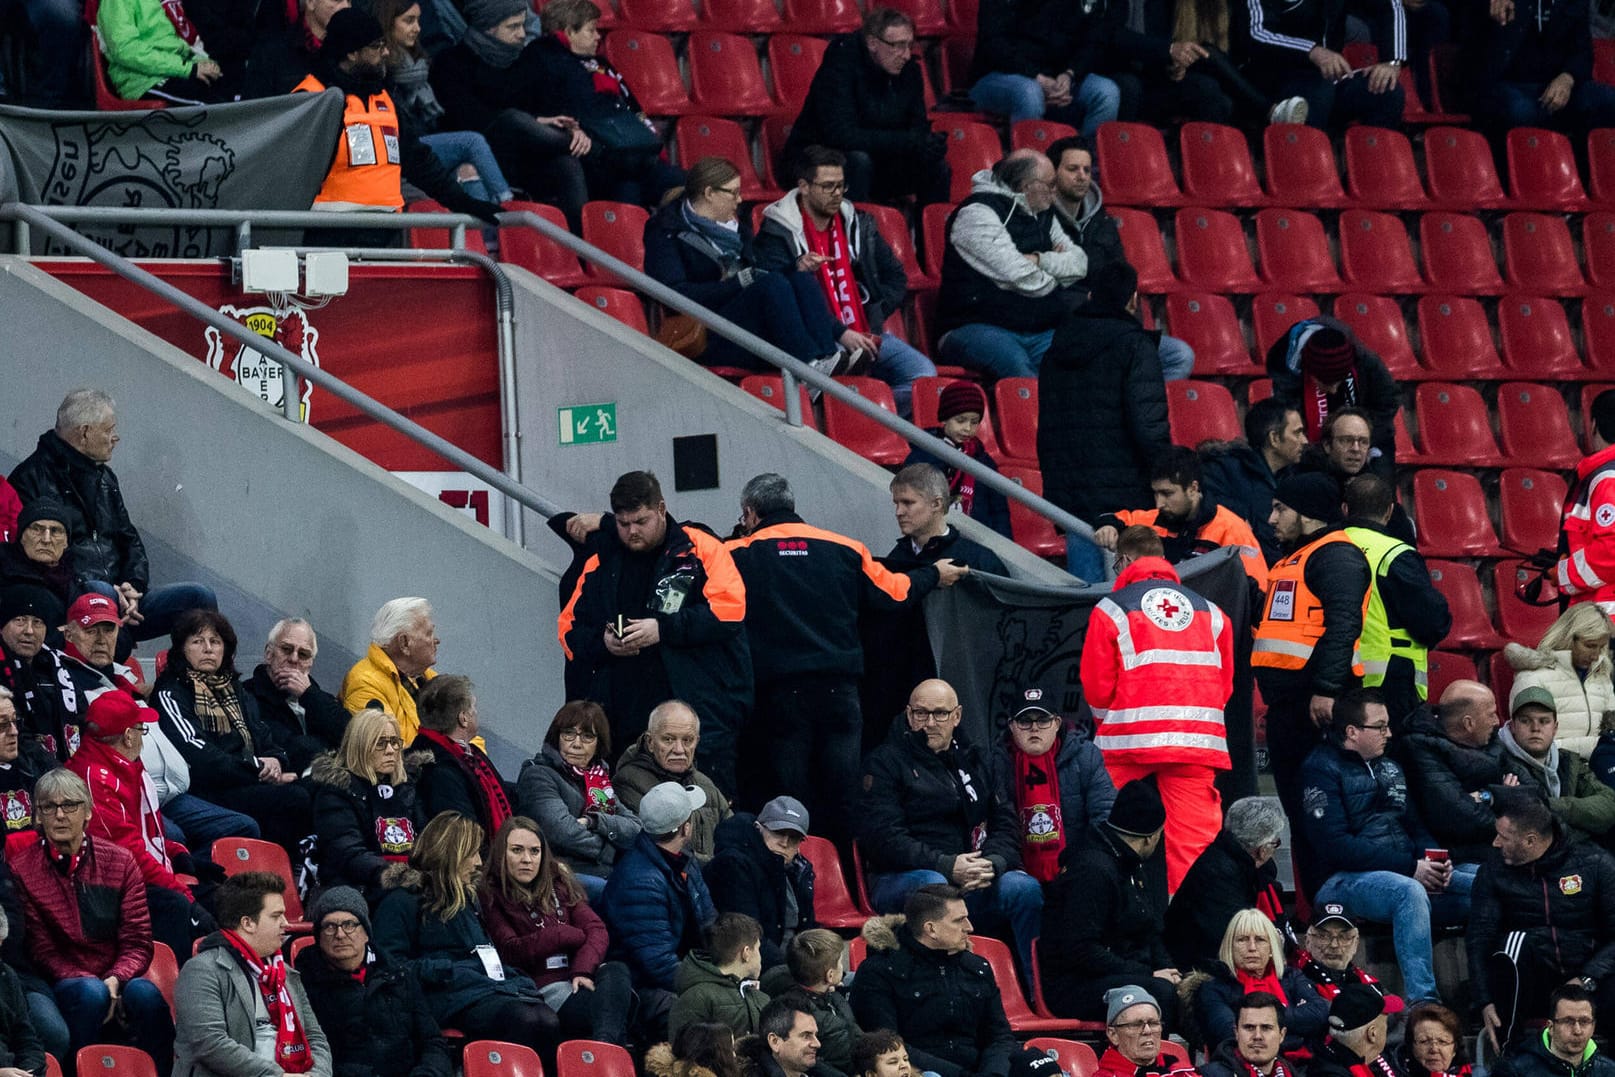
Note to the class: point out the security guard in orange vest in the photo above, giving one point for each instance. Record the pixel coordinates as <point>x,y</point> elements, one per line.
<point>1306,642</point>
<point>376,151</point>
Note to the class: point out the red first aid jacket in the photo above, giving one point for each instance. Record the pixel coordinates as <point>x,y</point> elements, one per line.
<point>1157,669</point>
<point>1587,533</point>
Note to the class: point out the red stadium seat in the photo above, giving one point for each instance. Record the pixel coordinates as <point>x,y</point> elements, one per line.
<point>1294,251</point>
<point>496,1058</point>
<point>741,16</point>
<point>1458,166</point>
<point>1201,411</point>
<point>822,16</point>
<point>794,60</point>
<point>1450,510</point>
<point>1041,134</point>
<point>934,233</point>
<point>962,15</point>
<point>706,136</point>
<point>1301,169</point>
<point>1539,256</point>
<point>839,911</point>
<point>929,19</point>
<point>1260,389</point>
<point>971,148</point>
<point>1041,1007</point>
<point>441,238</point>
<point>1454,426</point>
<point>1375,253</point>
<point>1175,1053</point>
<point>1534,426</point>
<point>1022,1019</point>
<point>1212,253</point>
<point>1601,166</point>
<point>861,434</point>
<point>1076,1059</point>
<point>1407,453</point>
<point>1604,60</point>
<point>1598,245</point>
<point>1445,62</point>
<point>237,855</point>
<point>926,393</point>
<point>618,229</point>
<point>1032,531</point>
<point>1530,503</point>
<point>592,1058</point>
<point>1377,322</point>
<point>1217,166</point>
<point>1380,170</point>
<point>163,971</point>
<point>1445,668</point>
<point>618,303</point>
<point>1133,160</point>
<point>539,254</point>
<point>114,1060</point>
<point>297,946</point>
<point>771,387</point>
<point>1542,171</point>
<point>1457,339</point>
<point>1499,674</point>
<point>1015,403</point>
<point>646,62</point>
<point>894,230</point>
<point>725,77</point>
<point>771,138</point>
<point>1458,254</point>
<point>1472,628</point>
<point>1519,621</point>
<point>662,16</point>
<point>1145,250</point>
<point>1273,314</point>
<point>1598,333</point>
<point>1536,340</point>
<point>1208,323</point>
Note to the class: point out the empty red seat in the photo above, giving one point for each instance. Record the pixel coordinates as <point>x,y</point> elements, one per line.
<point>441,238</point>
<point>1537,341</point>
<point>1458,167</point>
<point>741,16</point>
<point>1457,339</point>
<point>1301,169</point>
<point>1201,411</point>
<point>1450,510</point>
<point>934,232</point>
<point>708,136</point>
<point>1272,315</point>
<point>971,148</point>
<point>1458,254</point>
<point>1454,426</point>
<point>537,254</point>
<point>822,16</point>
<point>771,138</point>
<point>863,435</point>
<point>894,230</point>
<point>1217,166</point>
<point>1447,667</point>
<point>618,229</point>
<point>1294,251</point>
<point>1015,404</point>
<point>1375,253</point>
<point>771,387</point>
<point>1530,503</point>
<point>1534,426</point>
<point>794,59</point>
<point>619,303</point>
<point>962,15</point>
<point>1132,157</point>
<point>1598,246</point>
<point>1471,628</point>
<point>1145,250</point>
<point>662,16</point>
<point>1380,170</point>
<point>1208,323</point>
<point>1539,256</point>
<point>1377,322</point>
<point>1519,620</point>
<point>1041,134</point>
<point>646,62</point>
<point>1601,165</point>
<point>1030,530</point>
<point>929,19</point>
<point>1542,171</point>
<point>725,77</point>
<point>1598,333</point>
<point>1212,252</point>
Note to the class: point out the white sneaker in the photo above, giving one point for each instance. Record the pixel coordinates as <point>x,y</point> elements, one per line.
<point>826,365</point>
<point>1289,110</point>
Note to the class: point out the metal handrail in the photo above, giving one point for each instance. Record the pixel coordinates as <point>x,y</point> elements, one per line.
<point>35,217</point>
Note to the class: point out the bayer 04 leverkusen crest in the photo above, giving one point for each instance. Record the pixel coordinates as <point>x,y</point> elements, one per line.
<point>260,375</point>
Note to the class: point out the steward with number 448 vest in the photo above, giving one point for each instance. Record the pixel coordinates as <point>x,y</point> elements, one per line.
<point>376,151</point>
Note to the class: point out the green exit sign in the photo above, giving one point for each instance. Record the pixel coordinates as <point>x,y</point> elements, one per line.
<point>587,424</point>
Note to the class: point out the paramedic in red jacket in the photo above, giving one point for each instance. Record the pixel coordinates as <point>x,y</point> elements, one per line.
<point>1587,531</point>
<point>1157,669</point>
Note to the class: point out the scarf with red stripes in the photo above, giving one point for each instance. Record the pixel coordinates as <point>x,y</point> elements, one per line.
<point>292,1053</point>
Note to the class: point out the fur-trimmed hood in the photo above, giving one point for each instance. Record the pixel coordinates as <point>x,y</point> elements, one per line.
<point>402,877</point>
<point>659,1062</point>
<point>881,932</point>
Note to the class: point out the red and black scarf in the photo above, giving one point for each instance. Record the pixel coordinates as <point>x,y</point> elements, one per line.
<point>1037,799</point>
<point>835,275</point>
<point>599,796</point>
<point>1272,983</point>
<point>1315,401</point>
<point>292,1053</point>
<point>1279,1068</point>
<point>493,804</point>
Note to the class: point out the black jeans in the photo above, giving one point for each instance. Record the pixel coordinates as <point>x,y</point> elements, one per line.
<point>1329,104</point>
<point>601,1014</point>
<point>814,726</point>
<point>536,157</point>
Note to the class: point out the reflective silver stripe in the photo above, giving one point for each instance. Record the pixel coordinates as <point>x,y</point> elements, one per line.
<point>1132,659</point>
<point>1375,667</point>
<point>1581,510</point>
<point>1421,677</point>
<point>1175,658</point>
<point>1171,712</point>
<point>1163,740</point>
<point>1282,646</point>
<point>1565,583</point>
<point>1589,577</point>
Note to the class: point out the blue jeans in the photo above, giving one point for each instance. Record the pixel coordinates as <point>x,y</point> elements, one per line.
<point>1015,900</point>
<point>594,888</point>
<point>1086,560</point>
<point>201,823</point>
<point>1177,358</point>
<point>1514,104</point>
<point>1386,897</point>
<point>456,148</point>
<point>160,607</point>
<point>1001,353</point>
<point>1097,100</point>
<point>84,1000</point>
<point>48,1023</point>
<point>898,365</point>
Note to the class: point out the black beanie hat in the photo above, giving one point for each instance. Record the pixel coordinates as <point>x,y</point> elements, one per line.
<point>1355,1006</point>
<point>1311,493</point>
<point>28,599</point>
<point>349,31</point>
<point>1138,811</point>
<point>44,508</point>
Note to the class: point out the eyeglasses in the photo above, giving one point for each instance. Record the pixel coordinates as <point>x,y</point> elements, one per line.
<point>288,651</point>
<point>578,734</point>
<point>732,192</point>
<point>1030,721</point>
<point>1377,727</point>
<point>8,725</point>
<point>341,927</point>
<point>1574,1022</point>
<point>1149,1024</point>
<point>830,188</point>
<point>65,807</point>
<point>1433,1041</point>
<point>46,530</point>
<point>905,45</point>
<point>925,717</point>
<point>387,744</point>
<point>1333,938</point>
<point>1275,844</point>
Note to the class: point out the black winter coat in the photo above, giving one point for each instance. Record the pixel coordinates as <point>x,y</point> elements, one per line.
<point>679,256</point>
<point>569,86</point>
<point>217,760</point>
<point>1521,52</point>
<point>473,94</point>
<point>1216,1002</point>
<point>1101,919</point>
<point>1533,1059</point>
<point>945,1006</point>
<point>1101,413</point>
<point>61,581</point>
<point>279,61</point>
<point>1335,1059</point>
<point>746,876</point>
<point>320,728</point>
<point>1441,775</point>
<point>1221,881</point>
<point>1028,37</point>
<point>441,785</point>
<point>361,831</point>
<point>102,538</point>
<point>1357,816</point>
<point>1093,230</point>
<point>1314,459</point>
<point>20,1045</point>
<point>853,104</point>
<point>1568,928</point>
<point>379,1028</point>
<point>1238,477</point>
<point>918,813</point>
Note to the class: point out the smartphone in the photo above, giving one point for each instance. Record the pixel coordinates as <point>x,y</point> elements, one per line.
<point>620,626</point>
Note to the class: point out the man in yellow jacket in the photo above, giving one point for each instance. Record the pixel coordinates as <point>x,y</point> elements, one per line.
<point>403,647</point>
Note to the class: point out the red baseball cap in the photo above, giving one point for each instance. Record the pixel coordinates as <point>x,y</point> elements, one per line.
<point>112,714</point>
<point>94,609</point>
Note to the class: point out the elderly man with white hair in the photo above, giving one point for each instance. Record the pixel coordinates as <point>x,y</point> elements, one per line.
<point>307,719</point>
<point>403,647</point>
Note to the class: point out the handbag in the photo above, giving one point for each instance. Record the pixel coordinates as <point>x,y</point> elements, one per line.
<point>682,334</point>
<point>620,131</point>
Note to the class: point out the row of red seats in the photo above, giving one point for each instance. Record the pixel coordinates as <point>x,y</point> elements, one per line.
<point>481,1058</point>
<point>765,17</point>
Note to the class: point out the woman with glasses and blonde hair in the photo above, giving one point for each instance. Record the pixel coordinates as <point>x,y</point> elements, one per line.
<point>1572,662</point>
<point>1252,959</point>
<point>429,918</point>
<point>365,812</point>
<point>567,788</point>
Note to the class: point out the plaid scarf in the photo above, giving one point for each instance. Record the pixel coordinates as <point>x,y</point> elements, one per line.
<point>218,706</point>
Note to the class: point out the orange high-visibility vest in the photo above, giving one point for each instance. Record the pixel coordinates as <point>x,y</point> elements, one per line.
<point>368,170</point>
<point>1292,617</point>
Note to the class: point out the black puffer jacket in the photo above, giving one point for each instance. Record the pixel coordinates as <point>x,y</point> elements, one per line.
<point>1533,1059</point>
<point>945,1006</point>
<point>853,104</point>
<point>1356,817</point>
<point>918,813</point>
<point>102,538</point>
<point>1441,775</point>
<point>1101,413</point>
<point>1238,476</point>
<point>361,830</point>
<point>746,876</point>
<point>1221,881</point>
<point>380,1027</point>
<point>1564,901</point>
<point>319,729</point>
<point>20,1045</point>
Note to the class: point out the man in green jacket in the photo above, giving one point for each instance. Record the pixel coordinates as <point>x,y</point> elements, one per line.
<point>718,985</point>
<point>1574,793</point>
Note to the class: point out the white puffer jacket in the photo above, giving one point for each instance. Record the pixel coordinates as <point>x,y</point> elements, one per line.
<point>1581,702</point>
